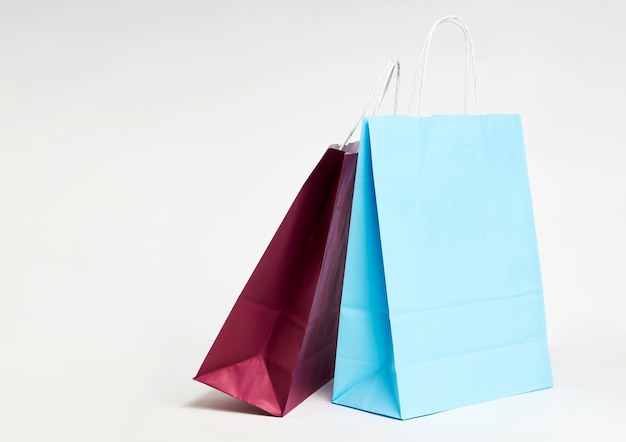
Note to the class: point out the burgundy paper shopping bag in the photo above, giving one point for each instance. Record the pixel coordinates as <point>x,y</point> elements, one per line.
<point>278,344</point>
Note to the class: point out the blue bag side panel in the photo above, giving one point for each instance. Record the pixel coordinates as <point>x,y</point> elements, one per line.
<point>364,368</point>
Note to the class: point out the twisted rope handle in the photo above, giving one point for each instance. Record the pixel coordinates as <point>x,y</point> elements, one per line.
<point>386,75</point>
<point>423,62</point>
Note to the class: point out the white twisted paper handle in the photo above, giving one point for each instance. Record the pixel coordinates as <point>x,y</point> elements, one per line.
<point>386,75</point>
<point>423,61</point>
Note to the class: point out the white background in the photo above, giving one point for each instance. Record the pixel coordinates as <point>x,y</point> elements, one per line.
<point>149,149</point>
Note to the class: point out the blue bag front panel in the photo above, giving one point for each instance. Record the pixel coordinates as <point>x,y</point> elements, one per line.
<point>460,259</point>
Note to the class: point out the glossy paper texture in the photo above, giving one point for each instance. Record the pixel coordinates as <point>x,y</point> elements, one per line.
<point>442,299</point>
<point>278,344</point>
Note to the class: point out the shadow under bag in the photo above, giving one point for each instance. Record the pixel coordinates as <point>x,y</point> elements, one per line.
<point>442,301</point>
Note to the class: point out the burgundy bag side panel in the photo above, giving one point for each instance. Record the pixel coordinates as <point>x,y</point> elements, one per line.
<point>317,357</point>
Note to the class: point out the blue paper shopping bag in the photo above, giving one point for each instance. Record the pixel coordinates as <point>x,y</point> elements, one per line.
<point>442,302</point>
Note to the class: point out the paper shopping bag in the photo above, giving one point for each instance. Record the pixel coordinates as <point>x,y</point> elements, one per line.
<point>442,297</point>
<point>278,343</point>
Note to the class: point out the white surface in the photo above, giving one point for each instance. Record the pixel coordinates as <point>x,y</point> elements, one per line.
<point>148,151</point>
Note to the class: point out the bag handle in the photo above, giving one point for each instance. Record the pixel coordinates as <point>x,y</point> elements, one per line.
<point>386,75</point>
<point>423,61</point>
